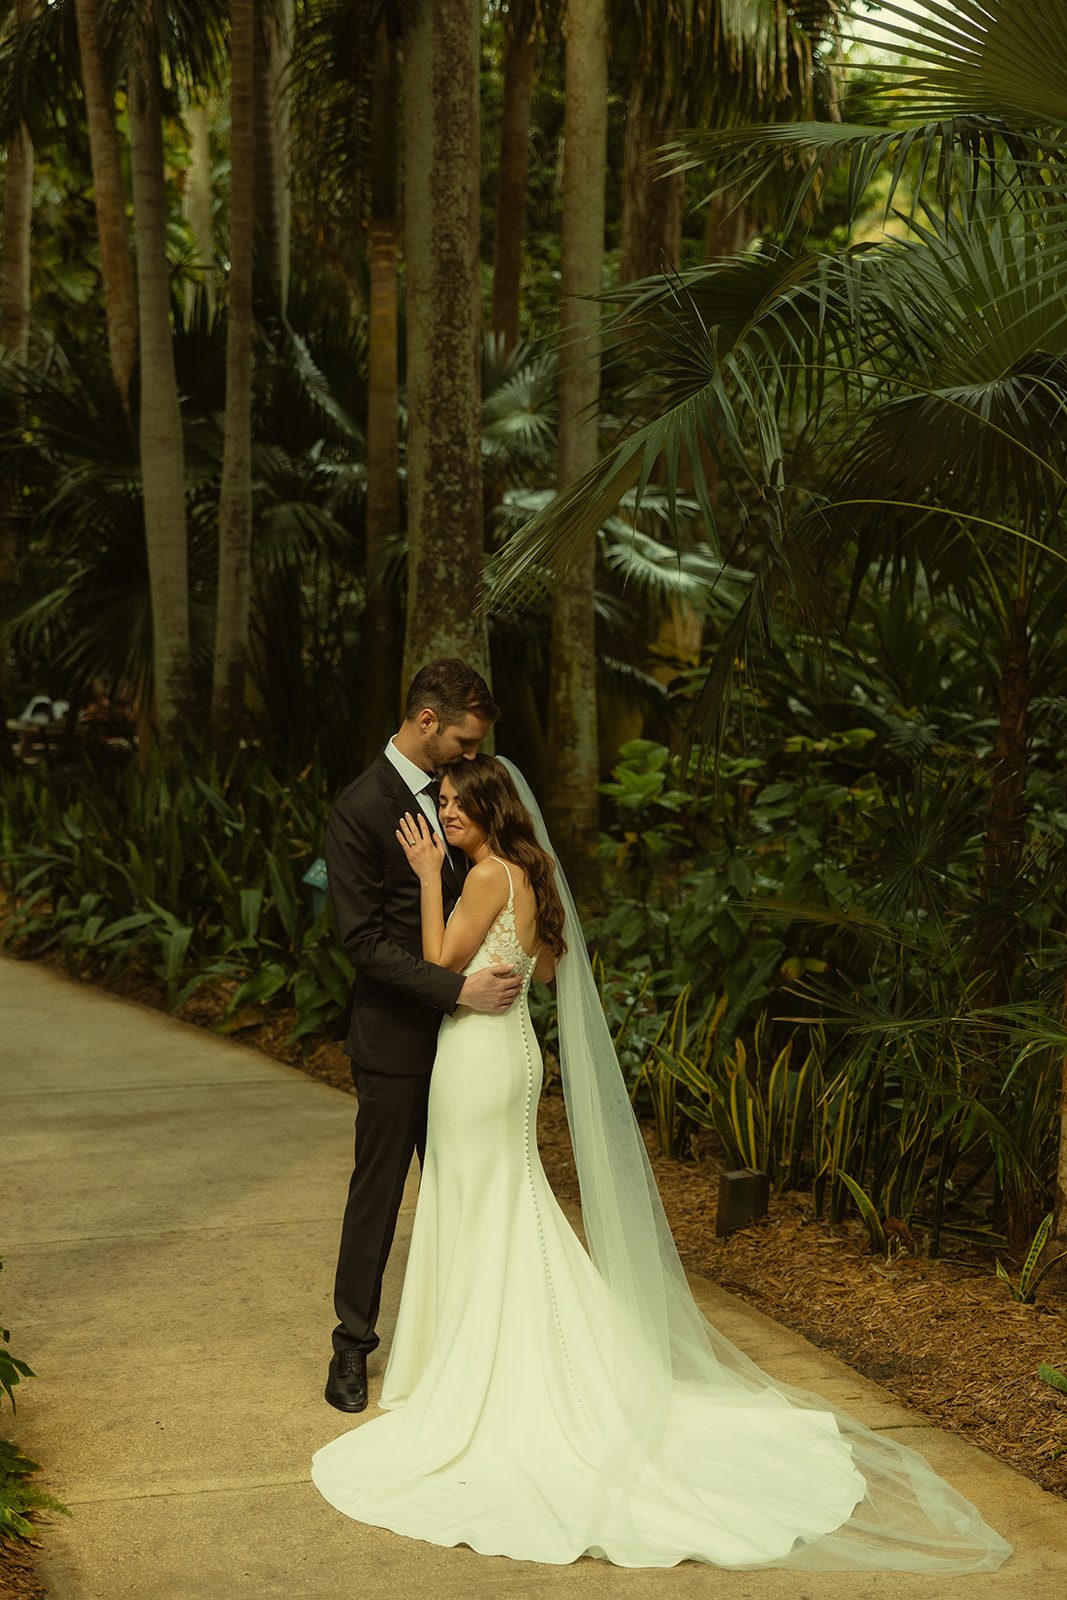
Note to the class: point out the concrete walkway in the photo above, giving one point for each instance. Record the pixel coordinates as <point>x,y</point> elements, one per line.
<point>170,1208</point>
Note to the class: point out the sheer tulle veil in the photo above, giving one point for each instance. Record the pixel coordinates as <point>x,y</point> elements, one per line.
<point>662,1346</point>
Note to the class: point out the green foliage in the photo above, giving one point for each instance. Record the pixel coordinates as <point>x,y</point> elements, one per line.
<point>19,1498</point>
<point>195,881</point>
<point>1030,1278</point>
<point>18,1495</point>
<point>818,910</point>
<point>12,1370</point>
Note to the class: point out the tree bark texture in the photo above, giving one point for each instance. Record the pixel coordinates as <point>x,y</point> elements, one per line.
<point>730,229</point>
<point>18,214</point>
<point>1059,1229</point>
<point>14,324</point>
<point>235,496</point>
<point>442,169</point>
<point>571,798</point>
<point>1005,835</point>
<point>382,629</point>
<point>109,198</point>
<point>650,238</point>
<point>519,58</point>
<point>274,39</point>
<point>197,207</point>
<point>162,445</point>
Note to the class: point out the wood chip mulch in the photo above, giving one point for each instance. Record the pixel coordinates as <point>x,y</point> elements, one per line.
<point>943,1336</point>
<point>18,1580</point>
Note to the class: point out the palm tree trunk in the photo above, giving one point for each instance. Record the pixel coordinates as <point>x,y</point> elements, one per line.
<point>729,228</point>
<point>235,496</point>
<point>442,167</point>
<point>1005,835</point>
<point>651,228</point>
<point>109,195</point>
<point>14,328</point>
<point>196,204</point>
<point>1059,1229</point>
<point>162,446</point>
<point>520,55</point>
<point>274,34</point>
<point>571,798</point>
<point>382,629</point>
<point>18,212</point>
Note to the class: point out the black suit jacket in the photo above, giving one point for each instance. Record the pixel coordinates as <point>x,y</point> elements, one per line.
<point>398,998</point>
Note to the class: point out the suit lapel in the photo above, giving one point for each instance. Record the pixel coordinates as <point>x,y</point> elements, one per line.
<point>401,799</point>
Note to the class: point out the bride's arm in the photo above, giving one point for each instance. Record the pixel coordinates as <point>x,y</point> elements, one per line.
<point>545,969</point>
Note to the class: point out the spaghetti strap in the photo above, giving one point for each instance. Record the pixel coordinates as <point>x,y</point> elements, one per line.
<point>511,881</point>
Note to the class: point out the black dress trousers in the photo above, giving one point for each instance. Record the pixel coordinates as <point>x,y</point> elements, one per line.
<point>390,1127</point>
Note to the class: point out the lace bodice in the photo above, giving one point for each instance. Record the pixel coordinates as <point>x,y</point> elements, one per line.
<point>501,942</point>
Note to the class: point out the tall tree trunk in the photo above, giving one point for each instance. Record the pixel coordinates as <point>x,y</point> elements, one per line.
<point>109,197</point>
<point>442,170</point>
<point>162,445</point>
<point>18,212</point>
<point>14,329</point>
<point>382,627</point>
<point>197,206</point>
<point>1005,835</point>
<point>274,682</point>
<point>1059,1230</point>
<point>651,229</point>
<point>520,55</point>
<point>274,40</point>
<point>235,497</point>
<point>729,229</point>
<point>571,798</point>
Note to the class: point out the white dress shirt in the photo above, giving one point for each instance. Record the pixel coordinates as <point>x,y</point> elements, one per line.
<point>418,782</point>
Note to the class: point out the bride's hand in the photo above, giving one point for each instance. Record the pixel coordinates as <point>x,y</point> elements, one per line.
<point>422,847</point>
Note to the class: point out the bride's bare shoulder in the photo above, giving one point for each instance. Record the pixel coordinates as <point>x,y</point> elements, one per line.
<point>487,879</point>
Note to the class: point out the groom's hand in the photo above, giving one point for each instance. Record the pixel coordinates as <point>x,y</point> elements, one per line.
<point>491,989</point>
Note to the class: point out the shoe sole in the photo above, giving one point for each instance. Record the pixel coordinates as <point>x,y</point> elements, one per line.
<point>338,1406</point>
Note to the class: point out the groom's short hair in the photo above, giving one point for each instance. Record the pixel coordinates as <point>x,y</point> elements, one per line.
<point>452,690</point>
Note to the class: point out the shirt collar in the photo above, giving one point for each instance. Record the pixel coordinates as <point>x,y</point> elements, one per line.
<point>416,779</point>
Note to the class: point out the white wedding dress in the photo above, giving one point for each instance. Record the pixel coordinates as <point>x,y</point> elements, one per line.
<point>503,1419</point>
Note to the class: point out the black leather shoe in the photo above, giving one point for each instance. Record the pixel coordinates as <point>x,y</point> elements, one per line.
<point>346,1386</point>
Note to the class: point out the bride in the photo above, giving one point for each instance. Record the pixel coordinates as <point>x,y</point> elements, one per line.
<point>544,1403</point>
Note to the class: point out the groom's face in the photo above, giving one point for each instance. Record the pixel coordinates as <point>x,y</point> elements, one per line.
<point>458,741</point>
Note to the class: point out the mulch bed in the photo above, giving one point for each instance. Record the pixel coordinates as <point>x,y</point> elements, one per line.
<point>18,1580</point>
<point>943,1336</point>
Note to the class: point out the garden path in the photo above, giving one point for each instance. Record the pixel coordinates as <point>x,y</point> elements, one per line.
<point>171,1203</point>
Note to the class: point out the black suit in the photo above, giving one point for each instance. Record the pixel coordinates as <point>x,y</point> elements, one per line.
<point>391,1030</point>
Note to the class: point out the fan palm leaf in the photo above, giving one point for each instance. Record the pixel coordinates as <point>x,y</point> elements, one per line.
<point>980,77</point>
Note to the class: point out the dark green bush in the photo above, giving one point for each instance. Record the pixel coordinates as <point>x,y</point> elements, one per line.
<point>197,880</point>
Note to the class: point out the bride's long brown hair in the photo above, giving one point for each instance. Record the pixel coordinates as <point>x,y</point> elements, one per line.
<point>486,793</point>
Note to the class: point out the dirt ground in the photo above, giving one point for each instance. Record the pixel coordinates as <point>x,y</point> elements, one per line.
<point>942,1335</point>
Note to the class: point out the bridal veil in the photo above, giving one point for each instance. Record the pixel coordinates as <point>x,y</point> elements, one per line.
<point>660,1345</point>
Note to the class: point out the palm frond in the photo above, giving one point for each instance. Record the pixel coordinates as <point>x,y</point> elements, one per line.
<point>983,80</point>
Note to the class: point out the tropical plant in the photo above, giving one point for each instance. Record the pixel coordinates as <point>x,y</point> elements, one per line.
<point>196,882</point>
<point>19,1498</point>
<point>1030,1276</point>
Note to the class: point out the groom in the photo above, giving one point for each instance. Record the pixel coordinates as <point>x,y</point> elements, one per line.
<point>398,999</point>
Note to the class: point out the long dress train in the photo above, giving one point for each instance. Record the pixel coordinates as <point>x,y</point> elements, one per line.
<point>508,1422</point>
